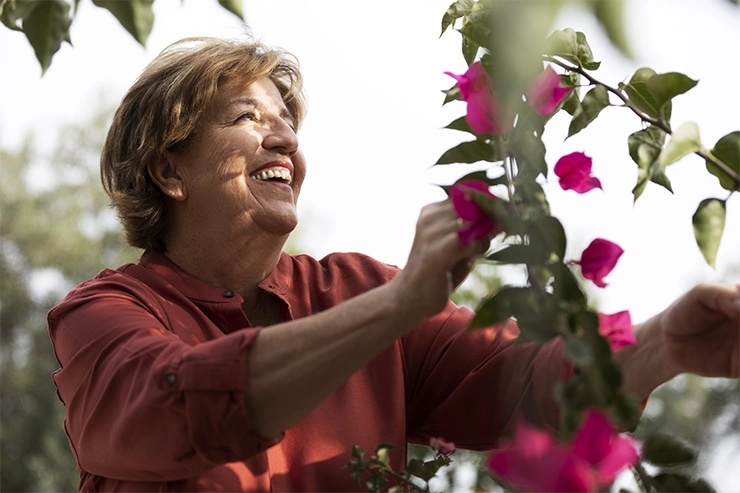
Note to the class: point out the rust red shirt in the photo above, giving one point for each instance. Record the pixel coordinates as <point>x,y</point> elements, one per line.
<point>154,368</point>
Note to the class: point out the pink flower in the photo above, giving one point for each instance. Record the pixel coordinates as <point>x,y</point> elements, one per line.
<point>598,444</point>
<point>484,113</point>
<point>545,92</point>
<point>617,328</point>
<point>443,446</point>
<point>536,462</point>
<point>598,260</point>
<point>574,171</point>
<point>476,224</point>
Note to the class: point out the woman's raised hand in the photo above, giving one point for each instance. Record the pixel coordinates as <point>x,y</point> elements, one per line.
<point>437,263</point>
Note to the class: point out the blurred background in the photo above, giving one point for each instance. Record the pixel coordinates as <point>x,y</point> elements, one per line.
<point>374,71</point>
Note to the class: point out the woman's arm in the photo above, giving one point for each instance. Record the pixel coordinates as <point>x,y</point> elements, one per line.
<point>295,365</point>
<point>699,333</point>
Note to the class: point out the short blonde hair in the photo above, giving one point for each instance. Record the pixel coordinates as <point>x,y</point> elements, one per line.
<point>162,110</point>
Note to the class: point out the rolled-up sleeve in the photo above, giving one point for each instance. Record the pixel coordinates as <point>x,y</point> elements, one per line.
<point>142,403</point>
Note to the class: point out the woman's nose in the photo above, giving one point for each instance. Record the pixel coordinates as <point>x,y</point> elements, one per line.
<point>281,135</point>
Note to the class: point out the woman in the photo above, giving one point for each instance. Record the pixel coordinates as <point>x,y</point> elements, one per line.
<point>170,379</point>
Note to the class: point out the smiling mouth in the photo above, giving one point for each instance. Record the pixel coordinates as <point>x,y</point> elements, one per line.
<point>275,174</point>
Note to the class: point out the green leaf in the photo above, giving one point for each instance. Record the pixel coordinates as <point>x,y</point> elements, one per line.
<point>529,151</point>
<point>652,93</point>
<point>516,52</point>
<point>532,201</point>
<point>639,94</point>
<point>460,124</point>
<point>626,411</point>
<point>610,15</point>
<point>572,104</point>
<point>548,235</point>
<point>564,44</point>
<point>683,141</point>
<point>476,34</point>
<point>572,46</point>
<point>578,351</point>
<point>565,287</point>
<point>669,482</point>
<point>455,11</point>
<point>423,470</point>
<point>497,308</point>
<point>534,311</point>
<point>46,26</point>
<point>135,16</point>
<point>14,10</point>
<point>469,152</point>
<point>645,147</point>
<point>593,102</point>
<point>727,150</point>
<point>481,175</point>
<point>665,87</point>
<point>664,450</point>
<point>496,209</point>
<point>709,222</point>
<point>233,6</point>
<point>518,254</point>
<point>382,454</point>
<point>469,50</point>
<point>585,55</point>
<point>452,94</point>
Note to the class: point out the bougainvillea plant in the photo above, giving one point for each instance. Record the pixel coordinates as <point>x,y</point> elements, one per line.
<point>510,95</point>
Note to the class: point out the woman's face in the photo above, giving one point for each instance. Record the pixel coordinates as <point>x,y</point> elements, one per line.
<point>243,168</point>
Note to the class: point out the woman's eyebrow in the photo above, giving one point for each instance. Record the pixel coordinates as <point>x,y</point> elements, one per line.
<point>246,101</point>
<point>285,113</point>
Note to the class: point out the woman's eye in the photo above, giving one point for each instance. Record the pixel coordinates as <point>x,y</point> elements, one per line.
<point>247,116</point>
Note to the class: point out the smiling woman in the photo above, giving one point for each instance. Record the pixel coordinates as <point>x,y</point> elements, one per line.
<point>220,363</point>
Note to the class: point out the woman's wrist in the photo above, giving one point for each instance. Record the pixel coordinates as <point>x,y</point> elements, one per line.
<point>644,364</point>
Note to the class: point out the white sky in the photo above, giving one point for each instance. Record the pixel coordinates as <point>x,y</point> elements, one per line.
<point>373,73</point>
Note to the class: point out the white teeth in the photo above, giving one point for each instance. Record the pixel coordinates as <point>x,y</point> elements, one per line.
<point>277,172</point>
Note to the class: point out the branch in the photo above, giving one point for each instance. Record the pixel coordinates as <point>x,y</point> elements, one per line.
<point>729,172</point>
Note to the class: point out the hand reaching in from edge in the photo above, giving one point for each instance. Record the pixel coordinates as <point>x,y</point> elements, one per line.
<point>701,331</point>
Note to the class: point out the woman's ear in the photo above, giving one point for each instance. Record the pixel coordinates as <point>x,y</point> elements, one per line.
<point>164,171</point>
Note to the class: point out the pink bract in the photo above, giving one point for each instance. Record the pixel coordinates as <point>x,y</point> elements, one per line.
<point>603,448</point>
<point>536,462</point>
<point>484,113</point>
<point>598,260</point>
<point>444,447</point>
<point>574,171</point>
<point>617,328</point>
<point>476,224</point>
<point>544,93</point>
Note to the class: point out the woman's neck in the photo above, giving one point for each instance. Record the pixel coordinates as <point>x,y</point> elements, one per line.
<point>238,264</point>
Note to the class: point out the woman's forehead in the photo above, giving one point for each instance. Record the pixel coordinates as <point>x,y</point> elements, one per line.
<point>259,92</point>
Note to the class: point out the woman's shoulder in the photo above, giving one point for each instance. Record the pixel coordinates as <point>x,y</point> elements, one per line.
<point>348,268</point>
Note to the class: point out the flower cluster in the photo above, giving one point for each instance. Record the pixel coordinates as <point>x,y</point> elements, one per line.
<point>535,461</point>
<point>485,114</point>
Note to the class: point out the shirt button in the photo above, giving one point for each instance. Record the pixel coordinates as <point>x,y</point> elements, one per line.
<point>170,379</point>
<point>228,293</point>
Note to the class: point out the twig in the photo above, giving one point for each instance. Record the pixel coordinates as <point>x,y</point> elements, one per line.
<point>729,172</point>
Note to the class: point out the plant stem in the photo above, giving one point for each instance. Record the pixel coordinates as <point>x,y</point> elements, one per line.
<point>729,172</point>
<point>644,477</point>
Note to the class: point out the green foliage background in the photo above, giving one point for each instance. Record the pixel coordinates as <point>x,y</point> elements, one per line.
<point>58,236</point>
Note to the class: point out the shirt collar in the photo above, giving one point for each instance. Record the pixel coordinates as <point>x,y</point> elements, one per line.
<point>277,282</point>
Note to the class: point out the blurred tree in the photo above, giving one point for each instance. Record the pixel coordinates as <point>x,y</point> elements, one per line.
<point>55,231</point>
